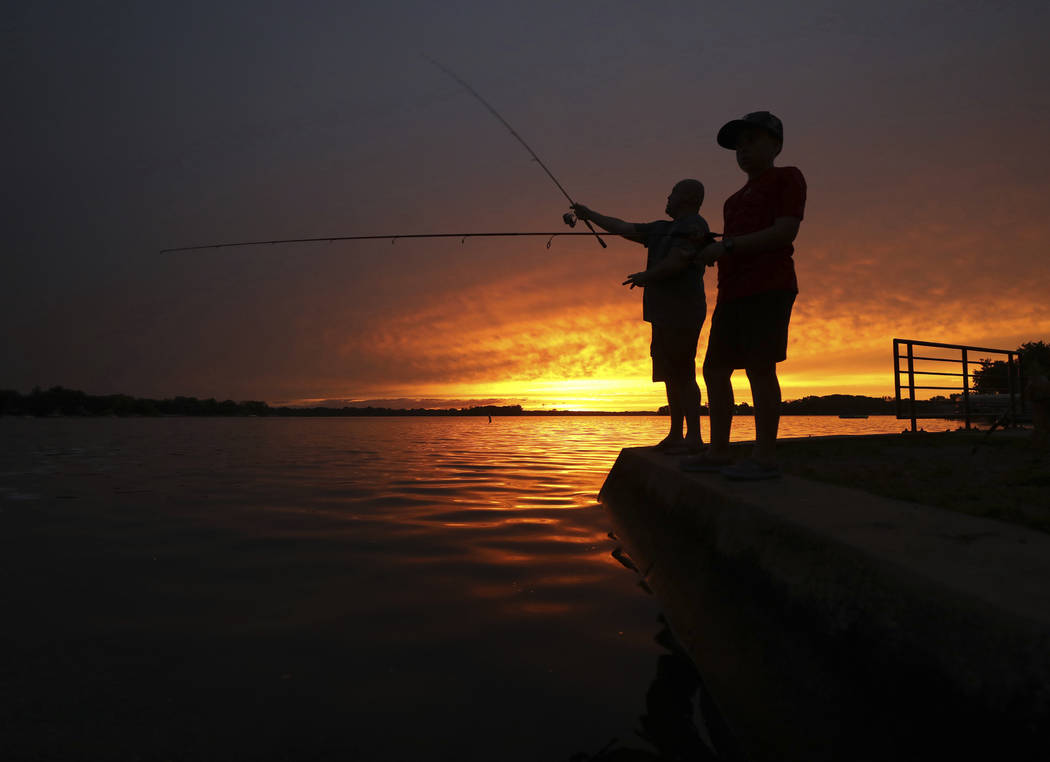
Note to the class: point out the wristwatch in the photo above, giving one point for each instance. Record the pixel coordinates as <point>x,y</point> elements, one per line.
<point>728,244</point>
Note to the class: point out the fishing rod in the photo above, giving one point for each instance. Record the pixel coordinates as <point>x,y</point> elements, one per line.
<point>569,219</point>
<point>322,239</point>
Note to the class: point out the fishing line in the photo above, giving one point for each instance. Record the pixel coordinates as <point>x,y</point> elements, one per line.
<point>520,139</point>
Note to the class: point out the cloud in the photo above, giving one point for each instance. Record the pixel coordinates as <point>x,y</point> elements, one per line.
<point>926,214</point>
<point>526,328</point>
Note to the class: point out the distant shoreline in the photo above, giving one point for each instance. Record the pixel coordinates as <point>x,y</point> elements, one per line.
<point>59,401</point>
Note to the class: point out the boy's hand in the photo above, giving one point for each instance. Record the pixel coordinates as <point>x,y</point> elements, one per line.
<point>637,279</point>
<point>711,253</point>
<point>582,212</point>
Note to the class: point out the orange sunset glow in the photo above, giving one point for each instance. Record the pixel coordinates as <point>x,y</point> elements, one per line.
<point>582,346</point>
<point>916,133</point>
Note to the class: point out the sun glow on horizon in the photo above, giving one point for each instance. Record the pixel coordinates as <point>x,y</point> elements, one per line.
<point>549,341</point>
<point>627,394</point>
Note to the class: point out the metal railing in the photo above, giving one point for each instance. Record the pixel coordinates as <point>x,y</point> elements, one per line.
<point>968,358</point>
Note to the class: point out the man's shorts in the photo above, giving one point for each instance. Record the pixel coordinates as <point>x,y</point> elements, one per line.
<point>751,332</point>
<point>673,350</point>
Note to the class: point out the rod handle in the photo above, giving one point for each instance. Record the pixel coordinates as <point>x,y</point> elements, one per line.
<point>588,224</point>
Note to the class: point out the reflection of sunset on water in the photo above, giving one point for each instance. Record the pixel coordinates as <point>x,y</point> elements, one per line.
<point>370,559</point>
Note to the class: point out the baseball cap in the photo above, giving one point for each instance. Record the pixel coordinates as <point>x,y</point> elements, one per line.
<point>727,135</point>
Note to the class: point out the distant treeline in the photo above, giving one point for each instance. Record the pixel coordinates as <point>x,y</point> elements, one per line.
<point>61,401</point>
<point>842,404</point>
<point>70,402</point>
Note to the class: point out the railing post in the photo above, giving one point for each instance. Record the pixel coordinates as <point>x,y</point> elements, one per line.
<point>911,384</point>
<point>897,374</point>
<point>966,387</point>
<point>1011,383</point>
<point>1020,385</point>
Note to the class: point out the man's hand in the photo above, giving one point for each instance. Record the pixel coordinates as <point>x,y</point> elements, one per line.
<point>638,279</point>
<point>614,225</point>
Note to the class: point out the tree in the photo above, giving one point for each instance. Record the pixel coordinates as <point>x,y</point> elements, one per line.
<point>992,377</point>
<point>1035,358</point>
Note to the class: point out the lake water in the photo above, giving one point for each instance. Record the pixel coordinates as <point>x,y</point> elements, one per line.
<point>369,588</point>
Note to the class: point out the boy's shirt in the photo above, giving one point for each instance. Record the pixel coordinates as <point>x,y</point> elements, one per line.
<point>679,300</point>
<point>779,192</point>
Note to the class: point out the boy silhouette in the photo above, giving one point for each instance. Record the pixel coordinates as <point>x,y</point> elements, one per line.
<point>756,290</point>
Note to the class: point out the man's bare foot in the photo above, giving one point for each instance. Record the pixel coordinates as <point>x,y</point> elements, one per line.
<point>669,441</point>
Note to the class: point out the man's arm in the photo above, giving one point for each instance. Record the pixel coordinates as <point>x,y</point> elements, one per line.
<point>778,235</point>
<point>614,225</point>
<point>677,259</point>
<point>684,252</point>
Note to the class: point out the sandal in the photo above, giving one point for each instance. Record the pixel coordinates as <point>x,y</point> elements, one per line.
<point>683,449</point>
<point>750,470</point>
<point>703,464</point>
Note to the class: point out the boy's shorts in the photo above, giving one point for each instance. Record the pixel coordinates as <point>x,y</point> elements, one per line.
<point>750,332</point>
<point>673,350</point>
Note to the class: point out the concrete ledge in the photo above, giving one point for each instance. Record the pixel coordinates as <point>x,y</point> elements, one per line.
<point>829,623</point>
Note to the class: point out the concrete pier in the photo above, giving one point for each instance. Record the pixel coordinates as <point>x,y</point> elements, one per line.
<point>831,624</point>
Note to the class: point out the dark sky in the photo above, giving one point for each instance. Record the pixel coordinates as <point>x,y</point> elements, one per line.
<point>131,127</point>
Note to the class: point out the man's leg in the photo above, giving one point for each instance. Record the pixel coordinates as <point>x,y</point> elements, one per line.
<point>720,409</point>
<point>674,407</point>
<point>661,350</point>
<point>658,352</point>
<point>765,389</point>
<point>688,392</point>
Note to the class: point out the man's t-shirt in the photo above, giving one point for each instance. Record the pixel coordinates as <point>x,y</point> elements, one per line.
<point>678,300</point>
<point>779,192</point>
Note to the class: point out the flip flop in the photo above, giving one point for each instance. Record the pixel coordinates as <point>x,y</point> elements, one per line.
<point>750,470</point>
<point>702,464</point>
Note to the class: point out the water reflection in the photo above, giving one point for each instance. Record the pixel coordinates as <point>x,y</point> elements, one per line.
<point>319,582</point>
<point>680,721</point>
<point>444,572</point>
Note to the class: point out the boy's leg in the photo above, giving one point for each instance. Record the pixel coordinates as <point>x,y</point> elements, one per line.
<point>769,346</point>
<point>765,389</point>
<point>720,408</point>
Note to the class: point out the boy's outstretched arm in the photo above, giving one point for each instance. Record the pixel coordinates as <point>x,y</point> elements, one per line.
<point>614,225</point>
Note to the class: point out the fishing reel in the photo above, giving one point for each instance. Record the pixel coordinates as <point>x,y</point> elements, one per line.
<point>569,219</point>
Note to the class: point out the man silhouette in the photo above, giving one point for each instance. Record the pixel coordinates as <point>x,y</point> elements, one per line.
<point>672,301</point>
